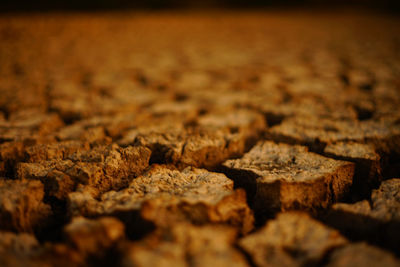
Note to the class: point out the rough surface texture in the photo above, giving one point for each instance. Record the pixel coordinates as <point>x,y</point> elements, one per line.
<point>376,220</point>
<point>292,239</point>
<point>384,204</point>
<point>284,177</point>
<point>101,168</point>
<point>368,168</point>
<point>164,196</point>
<point>190,139</point>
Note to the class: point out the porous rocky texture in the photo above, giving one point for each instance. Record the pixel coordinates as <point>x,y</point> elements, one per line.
<point>281,177</point>
<point>102,168</point>
<point>164,196</point>
<point>371,144</point>
<point>218,137</point>
<point>376,219</point>
<point>368,162</point>
<point>291,239</point>
<point>316,132</point>
<point>125,138</point>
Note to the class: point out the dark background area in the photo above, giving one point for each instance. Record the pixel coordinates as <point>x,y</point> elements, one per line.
<point>94,5</point>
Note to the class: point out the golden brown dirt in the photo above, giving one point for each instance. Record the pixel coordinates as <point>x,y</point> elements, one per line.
<point>252,138</point>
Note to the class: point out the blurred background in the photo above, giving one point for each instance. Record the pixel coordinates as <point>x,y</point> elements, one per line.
<point>93,5</point>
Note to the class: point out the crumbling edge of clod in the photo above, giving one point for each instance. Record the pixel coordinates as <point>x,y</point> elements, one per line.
<point>266,199</point>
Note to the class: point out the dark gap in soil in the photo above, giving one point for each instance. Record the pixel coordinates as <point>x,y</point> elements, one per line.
<point>111,257</point>
<point>247,180</point>
<point>391,168</point>
<point>9,166</point>
<point>246,255</point>
<point>363,114</point>
<point>366,87</point>
<point>274,119</point>
<point>327,256</point>
<point>68,119</point>
<point>357,227</point>
<point>142,79</point>
<point>47,95</point>
<point>180,97</point>
<point>158,154</point>
<point>5,112</point>
<point>345,79</point>
<point>135,226</point>
<point>316,146</point>
<point>54,230</point>
<point>363,181</point>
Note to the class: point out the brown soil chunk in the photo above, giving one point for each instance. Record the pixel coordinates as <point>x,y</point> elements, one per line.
<point>102,168</point>
<point>246,122</point>
<point>55,151</point>
<point>284,177</point>
<point>202,148</point>
<point>164,196</point>
<point>24,250</point>
<point>317,132</point>
<point>22,243</point>
<point>10,154</point>
<point>156,126</point>
<point>306,106</point>
<point>377,220</point>
<point>361,254</point>
<point>184,245</point>
<point>368,171</point>
<point>16,248</point>
<point>384,204</point>
<point>94,237</point>
<point>29,125</point>
<point>218,137</point>
<point>292,239</point>
<point>21,205</point>
<point>91,103</point>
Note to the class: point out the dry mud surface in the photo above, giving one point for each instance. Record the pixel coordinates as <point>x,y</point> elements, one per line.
<point>200,139</point>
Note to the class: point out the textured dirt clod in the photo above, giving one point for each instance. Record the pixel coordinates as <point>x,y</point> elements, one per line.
<point>21,205</point>
<point>292,239</point>
<point>15,248</point>
<point>376,220</point>
<point>27,124</point>
<point>190,139</point>
<point>362,254</point>
<point>164,196</point>
<point>368,171</point>
<point>102,168</point>
<point>18,243</point>
<point>384,204</point>
<point>283,177</point>
<point>91,237</point>
<point>184,245</point>
<point>317,132</point>
<point>218,137</point>
<point>371,144</point>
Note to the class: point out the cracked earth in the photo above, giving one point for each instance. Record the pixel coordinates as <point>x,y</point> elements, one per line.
<point>200,139</point>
